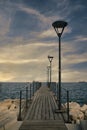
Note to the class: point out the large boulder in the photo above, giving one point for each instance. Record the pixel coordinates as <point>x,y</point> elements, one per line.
<point>74,105</point>
<point>84,108</point>
<point>76,114</point>
<point>75,111</point>
<point>85,114</point>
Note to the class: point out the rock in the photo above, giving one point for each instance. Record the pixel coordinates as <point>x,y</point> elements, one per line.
<point>75,111</point>
<point>84,108</point>
<point>74,105</point>
<point>76,114</point>
<point>85,114</point>
<point>13,107</point>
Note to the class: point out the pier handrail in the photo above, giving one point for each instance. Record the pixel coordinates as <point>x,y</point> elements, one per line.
<point>67,91</point>
<point>25,106</point>
<point>67,97</point>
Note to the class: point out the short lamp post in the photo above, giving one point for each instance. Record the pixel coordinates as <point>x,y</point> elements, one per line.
<point>59,28</point>
<point>50,58</point>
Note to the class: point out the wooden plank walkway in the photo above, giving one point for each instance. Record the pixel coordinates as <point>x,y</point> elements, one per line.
<point>41,114</point>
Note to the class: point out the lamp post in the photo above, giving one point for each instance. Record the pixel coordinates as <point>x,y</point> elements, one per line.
<point>59,28</point>
<point>50,58</point>
<point>48,69</point>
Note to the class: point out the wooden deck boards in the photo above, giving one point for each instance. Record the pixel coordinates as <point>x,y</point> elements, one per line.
<point>41,114</point>
<point>43,125</point>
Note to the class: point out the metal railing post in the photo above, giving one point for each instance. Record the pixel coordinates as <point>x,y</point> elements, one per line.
<point>57,92</point>
<point>20,103</point>
<point>36,86</point>
<point>67,106</point>
<point>30,91</point>
<point>33,88</point>
<point>26,97</point>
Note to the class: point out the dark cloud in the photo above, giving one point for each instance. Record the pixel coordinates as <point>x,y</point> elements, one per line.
<point>24,23</point>
<point>82,66</point>
<point>43,6</point>
<point>49,7</point>
<point>80,50</point>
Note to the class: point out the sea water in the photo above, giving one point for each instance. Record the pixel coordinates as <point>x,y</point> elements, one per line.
<point>77,91</point>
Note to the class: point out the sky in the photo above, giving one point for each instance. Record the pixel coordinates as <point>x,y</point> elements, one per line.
<point>27,38</point>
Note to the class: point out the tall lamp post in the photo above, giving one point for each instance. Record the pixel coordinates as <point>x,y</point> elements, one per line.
<point>50,58</point>
<point>59,28</point>
<point>48,70</point>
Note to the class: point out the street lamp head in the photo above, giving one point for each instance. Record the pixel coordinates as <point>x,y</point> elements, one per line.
<point>59,27</point>
<point>50,58</point>
<point>59,24</point>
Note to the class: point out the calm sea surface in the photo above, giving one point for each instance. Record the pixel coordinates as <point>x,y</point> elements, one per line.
<point>77,91</point>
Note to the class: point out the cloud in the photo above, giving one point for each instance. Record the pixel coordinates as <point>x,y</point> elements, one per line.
<point>27,38</point>
<point>51,33</point>
<point>29,62</point>
<point>73,76</point>
<point>34,12</point>
<point>5,21</point>
<point>28,59</point>
<point>81,38</point>
<point>4,26</point>
<point>80,66</point>
<point>39,21</point>
<point>5,77</point>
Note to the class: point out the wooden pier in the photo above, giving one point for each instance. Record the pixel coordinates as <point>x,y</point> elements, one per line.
<point>41,114</point>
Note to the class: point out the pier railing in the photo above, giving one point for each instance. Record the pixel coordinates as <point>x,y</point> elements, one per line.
<point>54,88</point>
<point>67,101</point>
<point>29,93</point>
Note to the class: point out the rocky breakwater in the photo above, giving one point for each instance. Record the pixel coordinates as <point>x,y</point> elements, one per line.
<point>77,112</point>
